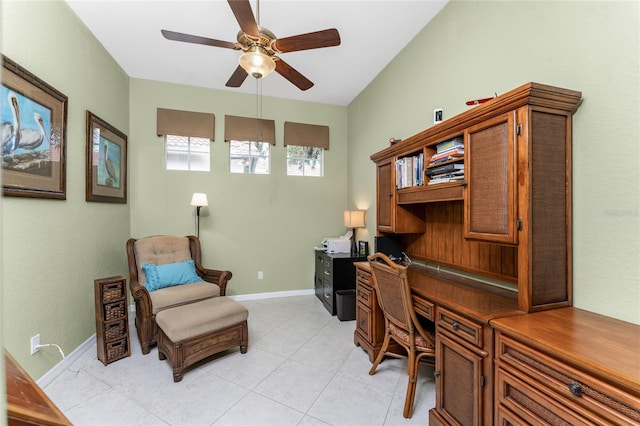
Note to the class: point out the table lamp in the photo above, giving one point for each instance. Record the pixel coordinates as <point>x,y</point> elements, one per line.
<point>354,219</point>
<point>198,200</point>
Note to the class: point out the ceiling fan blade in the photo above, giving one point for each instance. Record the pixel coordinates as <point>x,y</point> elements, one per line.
<point>314,40</point>
<point>188,38</point>
<point>244,15</point>
<point>285,70</point>
<point>237,78</point>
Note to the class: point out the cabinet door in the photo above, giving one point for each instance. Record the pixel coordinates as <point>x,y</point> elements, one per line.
<point>384,196</point>
<point>459,382</point>
<point>391,217</point>
<point>490,172</point>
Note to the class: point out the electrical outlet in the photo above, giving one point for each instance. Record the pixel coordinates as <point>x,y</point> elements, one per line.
<point>35,343</point>
<point>260,275</point>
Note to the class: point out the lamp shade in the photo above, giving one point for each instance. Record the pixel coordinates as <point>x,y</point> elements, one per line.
<point>199,199</point>
<point>256,63</point>
<point>354,218</point>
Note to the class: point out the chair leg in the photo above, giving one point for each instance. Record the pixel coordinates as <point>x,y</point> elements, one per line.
<point>383,349</point>
<point>411,386</point>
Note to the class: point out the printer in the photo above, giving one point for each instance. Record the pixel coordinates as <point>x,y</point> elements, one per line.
<point>337,245</point>
<point>341,244</point>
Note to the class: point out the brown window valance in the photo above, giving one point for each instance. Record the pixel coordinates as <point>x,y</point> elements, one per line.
<point>186,123</point>
<point>249,129</point>
<point>306,135</point>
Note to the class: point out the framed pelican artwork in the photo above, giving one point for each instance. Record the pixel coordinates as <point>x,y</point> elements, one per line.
<point>106,162</point>
<point>34,142</point>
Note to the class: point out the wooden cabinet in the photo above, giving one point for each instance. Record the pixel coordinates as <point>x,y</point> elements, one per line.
<point>391,216</point>
<point>112,324</point>
<point>507,224</point>
<point>334,271</point>
<point>566,366</point>
<point>516,194</point>
<point>369,332</point>
<point>462,384</point>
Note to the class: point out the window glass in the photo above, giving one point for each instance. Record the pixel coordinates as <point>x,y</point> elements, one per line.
<point>249,157</point>
<point>304,160</point>
<point>187,153</point>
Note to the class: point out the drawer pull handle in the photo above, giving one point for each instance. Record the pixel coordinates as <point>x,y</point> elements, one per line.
<point>575,389</point>
<point>436,374</point>
<point>455,325</point>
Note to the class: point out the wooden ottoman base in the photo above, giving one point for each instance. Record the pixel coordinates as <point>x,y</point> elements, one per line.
<point>189,350</point>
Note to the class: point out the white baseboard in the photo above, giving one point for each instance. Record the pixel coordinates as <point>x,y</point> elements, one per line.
<point>273,295</point>
<point>59,368</point>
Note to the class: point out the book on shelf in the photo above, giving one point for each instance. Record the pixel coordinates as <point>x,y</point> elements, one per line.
<point>455,152</point>
<point>449,144</point>
<point>436,170</point>
<point>445,179</point>
<point>409,171</point>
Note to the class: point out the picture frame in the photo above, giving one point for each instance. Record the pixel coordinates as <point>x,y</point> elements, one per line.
<point>106,162</point>
<point>363,248</point>
<point>34,135</point>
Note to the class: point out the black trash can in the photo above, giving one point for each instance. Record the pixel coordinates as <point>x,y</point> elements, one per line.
<point>346,305</point>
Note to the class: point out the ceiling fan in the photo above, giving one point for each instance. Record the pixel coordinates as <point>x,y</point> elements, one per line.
<point>260,47</point>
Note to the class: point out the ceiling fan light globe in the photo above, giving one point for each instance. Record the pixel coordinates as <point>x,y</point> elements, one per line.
<point>256,63</point>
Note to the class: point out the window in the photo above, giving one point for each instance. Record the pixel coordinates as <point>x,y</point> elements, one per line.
<point>304,160</point>
<point>249,157</point>
<point>187,153</point>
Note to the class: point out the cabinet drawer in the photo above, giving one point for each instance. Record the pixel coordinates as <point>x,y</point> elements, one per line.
<point>363,276</point>
<point>365,295</point>
<point>532,405</point>
<point>328,270</point>
<point>363,321</point>
<point>424,308</point>
<point>115,330</point>
<point>112,291</point>
<point>114,311</point>
<point>117,349</point>
<point>574,386</point>
<point>460,326</point>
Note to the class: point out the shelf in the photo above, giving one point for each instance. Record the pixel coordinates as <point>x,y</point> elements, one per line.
<point>449,191</point>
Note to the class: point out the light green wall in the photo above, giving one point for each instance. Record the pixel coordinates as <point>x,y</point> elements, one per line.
<point>52,250</point>
<point>472,50</point>
<point>253,223</point>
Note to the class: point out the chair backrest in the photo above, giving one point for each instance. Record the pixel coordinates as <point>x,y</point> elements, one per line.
<point>392,289</point>
<point>159,250</point>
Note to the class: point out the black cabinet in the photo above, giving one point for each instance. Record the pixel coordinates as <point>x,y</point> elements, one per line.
<point>334,272</point>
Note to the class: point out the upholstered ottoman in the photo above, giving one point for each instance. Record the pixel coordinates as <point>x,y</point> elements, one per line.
<point>193,332</point>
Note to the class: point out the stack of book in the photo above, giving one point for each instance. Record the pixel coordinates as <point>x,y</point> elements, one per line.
<point>409,171</point>
<point>448,150</point>
<point>445,165</point>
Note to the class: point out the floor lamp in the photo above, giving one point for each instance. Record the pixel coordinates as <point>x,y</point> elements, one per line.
<point>354,219</point>
<point>198,200</point>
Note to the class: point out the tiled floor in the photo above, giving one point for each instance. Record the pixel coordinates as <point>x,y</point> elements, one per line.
<point>301,368</point>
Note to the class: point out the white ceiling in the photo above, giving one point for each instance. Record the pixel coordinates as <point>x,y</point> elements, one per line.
<point>372,32</point>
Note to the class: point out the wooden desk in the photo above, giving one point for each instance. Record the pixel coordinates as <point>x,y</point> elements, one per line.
<point>461,310</point>
<point>498,365</point>
<point>27,404</point>
<point>569,365</point>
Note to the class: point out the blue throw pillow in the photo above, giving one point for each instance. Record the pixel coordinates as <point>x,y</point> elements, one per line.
<point>169,274</point>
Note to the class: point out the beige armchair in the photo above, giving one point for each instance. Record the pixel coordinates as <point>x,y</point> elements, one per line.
<point>168,251</point>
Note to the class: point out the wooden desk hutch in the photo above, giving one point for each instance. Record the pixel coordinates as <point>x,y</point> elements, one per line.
<point>495,244</point>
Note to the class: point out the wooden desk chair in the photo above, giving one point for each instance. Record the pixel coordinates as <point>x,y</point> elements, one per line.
<point>401,322</point>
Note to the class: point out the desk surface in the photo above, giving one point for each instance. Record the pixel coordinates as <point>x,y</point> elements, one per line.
<point>478,301</point>
<point>585,339</point>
